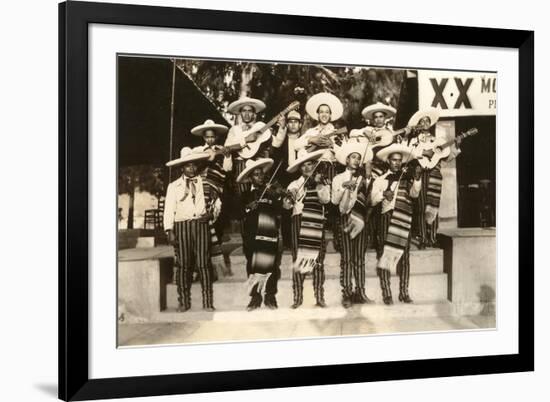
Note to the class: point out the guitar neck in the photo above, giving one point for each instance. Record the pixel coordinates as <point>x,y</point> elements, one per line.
<point>274,120</point>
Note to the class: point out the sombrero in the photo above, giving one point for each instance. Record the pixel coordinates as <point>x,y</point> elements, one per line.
<point>293,114</point>
<point>188,155</point>
<point>432,113</point>
<point>235,107</point>
<point>348,148</point>
<point>370,110</point>
<point>209,125</point>
<point>304,156</point>
<point>264,163</point>
<point>404,150</point>
<point>325,98</point>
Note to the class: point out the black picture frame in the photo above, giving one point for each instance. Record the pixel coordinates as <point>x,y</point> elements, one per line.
<point>74,381</point>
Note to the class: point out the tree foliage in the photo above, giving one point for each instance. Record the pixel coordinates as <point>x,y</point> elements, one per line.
<point>279,84</point>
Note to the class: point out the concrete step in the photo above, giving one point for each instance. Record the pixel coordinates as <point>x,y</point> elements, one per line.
<point>232,296</point>
<point>145,242</point>
<point>428,261</point>
<point>373,312</point>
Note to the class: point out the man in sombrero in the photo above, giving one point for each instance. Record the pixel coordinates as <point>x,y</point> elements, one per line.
<point>376,116</point>
<point>307,197</point>
<point>325,108</point>
<point>349,193</point>
<point>218,165</point>
<point>246,109</point>
<point>191,204</point>
<point>392,194</point>
<point>263,254</point>
<point>426,220</point>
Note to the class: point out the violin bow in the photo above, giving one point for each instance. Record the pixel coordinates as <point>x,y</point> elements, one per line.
<point>271,179</point>
<point>306,180</point>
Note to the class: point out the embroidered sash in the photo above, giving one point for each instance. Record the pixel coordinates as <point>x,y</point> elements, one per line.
<point>310,237</point>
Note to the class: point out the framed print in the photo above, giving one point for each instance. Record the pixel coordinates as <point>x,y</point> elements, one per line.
<point>259,201</point>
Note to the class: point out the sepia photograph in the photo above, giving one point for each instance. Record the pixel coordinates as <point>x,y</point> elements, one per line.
<point>262,200</point>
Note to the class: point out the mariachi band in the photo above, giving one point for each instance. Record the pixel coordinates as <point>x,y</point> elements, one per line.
<point>372,185</point>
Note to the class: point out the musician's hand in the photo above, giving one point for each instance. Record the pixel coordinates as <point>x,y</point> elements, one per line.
<point>458,141</point>
<point>226,151</point>
<point>252,205</point>
<point>320,179</point>
<point>417,172</point>
<point>212,155</point>
<point>171,237</point>
<point>408,130</point>
<point>349,185</point>
<point>281,121</point>
<point>320,141</point>
<point>371,135</point>
<point>251,137</point>
<point>388,195</point>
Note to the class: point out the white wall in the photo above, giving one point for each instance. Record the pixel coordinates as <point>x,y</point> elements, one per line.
<point>29,170</point>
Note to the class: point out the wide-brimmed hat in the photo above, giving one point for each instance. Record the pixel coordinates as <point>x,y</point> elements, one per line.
<point>304,156</point>
<point>370,110</point>
<point>341,154</point>
<point>209,125</point>
<point>293,114</point>
<point>325,98</point>
<point>188,155</point>
<point>432,113</point>
<point>235,107</point>
<point>402,149</point>
<point>251,165</point>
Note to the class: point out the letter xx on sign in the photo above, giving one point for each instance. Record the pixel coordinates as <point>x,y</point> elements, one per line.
<point>438,89</point>
<point>463,93</point>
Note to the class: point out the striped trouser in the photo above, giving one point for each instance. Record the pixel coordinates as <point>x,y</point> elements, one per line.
<point>403,266</point>
<point>329,170</point>
<point>426,232</point>
<point>192,250</point>
<point>318,272</point>
<point>352,261</point>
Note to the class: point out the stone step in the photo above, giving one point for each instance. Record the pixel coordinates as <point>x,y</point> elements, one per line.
<point>145,242</point>
<point>373,312</point>
<point>232,296</point>
<point>428,261</point>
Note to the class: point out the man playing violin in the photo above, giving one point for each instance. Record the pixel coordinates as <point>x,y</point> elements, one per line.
<point>262,207</point>
<point>307,197</point>
<point>392,194</point>
<point>349,192</point>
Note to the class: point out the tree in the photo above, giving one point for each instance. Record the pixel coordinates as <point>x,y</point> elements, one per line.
<point>276,83</point>
<point>142,177</point>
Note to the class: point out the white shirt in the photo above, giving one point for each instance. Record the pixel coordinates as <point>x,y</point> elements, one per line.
<point>296,187</point>
<point>302,142</point>
<point>338,190</point>
<point>180,206</point>
<point>227,161</point>
<point>292,153</point>
<point>381,184</point>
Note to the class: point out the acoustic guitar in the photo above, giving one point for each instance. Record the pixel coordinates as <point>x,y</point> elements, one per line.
<point>433,152</point>
<point>334,133</point>
<point>256,135</point>
<point>384,137</point>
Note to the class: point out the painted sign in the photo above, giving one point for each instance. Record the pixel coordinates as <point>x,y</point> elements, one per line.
<point>458,93</point>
